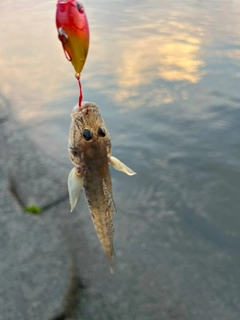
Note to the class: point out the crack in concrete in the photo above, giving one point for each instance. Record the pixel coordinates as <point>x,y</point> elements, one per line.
<point>14,192</point>
<point>2,120</point>
<point>71,299</point>
<point>55,203</point>
<point>5,108</point>
<point>61,316</point>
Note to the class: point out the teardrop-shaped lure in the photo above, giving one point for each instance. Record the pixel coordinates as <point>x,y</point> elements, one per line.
<point>73,32</point>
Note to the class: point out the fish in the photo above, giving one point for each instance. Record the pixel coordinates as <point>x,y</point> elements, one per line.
<point>89,148</point>
<point>73,32</point>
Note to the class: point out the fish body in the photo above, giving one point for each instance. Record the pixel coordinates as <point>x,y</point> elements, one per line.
<point>73,32</point>
<point>90,152</point>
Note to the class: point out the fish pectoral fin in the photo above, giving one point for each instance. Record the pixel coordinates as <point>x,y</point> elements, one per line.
<point>120,166</point>
<point>75,185</point>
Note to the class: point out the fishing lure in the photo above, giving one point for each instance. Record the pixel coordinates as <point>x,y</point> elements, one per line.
<point>73,32</point>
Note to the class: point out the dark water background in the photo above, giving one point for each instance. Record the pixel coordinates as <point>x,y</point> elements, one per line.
<point>165,75</point>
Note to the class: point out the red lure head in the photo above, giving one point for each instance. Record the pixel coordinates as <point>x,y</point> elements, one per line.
<point>73,32</point>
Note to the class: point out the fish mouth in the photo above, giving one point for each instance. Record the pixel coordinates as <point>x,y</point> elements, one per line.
<point>80,170</point>
<point>87,105</point>
<point>84,107</point>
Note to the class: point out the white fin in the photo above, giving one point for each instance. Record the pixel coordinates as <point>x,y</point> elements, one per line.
<point>75,185</point>
<point>120,166</point>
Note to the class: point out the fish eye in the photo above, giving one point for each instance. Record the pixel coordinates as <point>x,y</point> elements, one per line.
<point>79,7</point>
<point>87,134</point>
<point>101,132</point>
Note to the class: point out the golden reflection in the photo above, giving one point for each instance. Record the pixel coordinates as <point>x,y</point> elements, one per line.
<point>34,70</point>
<point>175,57</point>
<point>169,51</point>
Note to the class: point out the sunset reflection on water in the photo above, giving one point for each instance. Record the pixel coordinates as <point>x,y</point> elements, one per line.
<point>175,57</point>
<point>172,58</point>
<point>140,56</point>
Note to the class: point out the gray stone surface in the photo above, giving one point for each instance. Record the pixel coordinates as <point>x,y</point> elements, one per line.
<point>160,273</point>
<point>34,177</point>
<point>35,263</point>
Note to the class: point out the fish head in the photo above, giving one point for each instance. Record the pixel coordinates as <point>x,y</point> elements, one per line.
<point>89,139</point>
<point>73,32</point>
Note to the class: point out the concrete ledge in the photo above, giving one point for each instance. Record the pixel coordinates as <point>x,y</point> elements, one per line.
<point>36,265</point>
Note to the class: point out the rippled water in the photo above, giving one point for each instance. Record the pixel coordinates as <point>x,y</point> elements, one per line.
<point>166,78</point>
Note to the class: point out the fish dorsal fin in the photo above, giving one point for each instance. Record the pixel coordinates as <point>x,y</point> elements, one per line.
<point>109,197</point>
<point>75,185</point>
<point>120,166</point>
<point>110,228</point>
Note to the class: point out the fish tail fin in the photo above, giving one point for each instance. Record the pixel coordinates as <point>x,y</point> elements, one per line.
<point>75,185</point>
<point>112,266</point>
<point>120,166</point>
<point>112,261</point>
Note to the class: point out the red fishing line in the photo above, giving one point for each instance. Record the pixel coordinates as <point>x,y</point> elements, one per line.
<point>80,88</point>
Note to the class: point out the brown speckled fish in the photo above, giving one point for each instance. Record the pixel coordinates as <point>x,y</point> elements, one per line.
<point>90,152</point>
